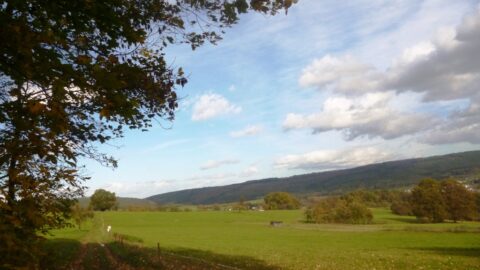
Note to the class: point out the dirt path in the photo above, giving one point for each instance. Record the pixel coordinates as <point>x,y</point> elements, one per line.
<point>115,261</point>
<point>77,263</point>
<point>97,256</point>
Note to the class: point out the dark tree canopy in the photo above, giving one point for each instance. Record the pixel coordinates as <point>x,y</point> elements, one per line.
<point>102,200</point>
<point>74,73</point>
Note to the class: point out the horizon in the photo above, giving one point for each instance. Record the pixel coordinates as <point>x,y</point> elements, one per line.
<point>352,88</point>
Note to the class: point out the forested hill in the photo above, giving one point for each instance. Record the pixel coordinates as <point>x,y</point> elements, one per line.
<point>393,174</point>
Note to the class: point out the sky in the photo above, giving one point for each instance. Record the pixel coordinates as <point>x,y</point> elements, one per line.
<point>330,85</point>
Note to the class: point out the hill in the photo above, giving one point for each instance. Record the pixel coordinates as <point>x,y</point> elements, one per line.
<point>393,174</point>
<point>125,203</point>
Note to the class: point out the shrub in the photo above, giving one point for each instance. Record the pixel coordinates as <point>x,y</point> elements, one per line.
<point>281,200</point>
<point>402,208</point>
<point>339,210</point>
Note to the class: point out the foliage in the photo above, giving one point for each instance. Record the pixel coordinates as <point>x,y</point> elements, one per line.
<point>76,73</point>
<point>281,201</point>
<point>339,210</point>
<point>102,200</point>
<point>402,207</point>
<point>427,201</point>
<point>459,201</point>
<point>80,214</point>
<point>374,198</point>
<point>434,201</point>
<point>477,202</point>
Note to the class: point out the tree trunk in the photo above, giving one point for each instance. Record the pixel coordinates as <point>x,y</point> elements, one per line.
<point>11,194</point>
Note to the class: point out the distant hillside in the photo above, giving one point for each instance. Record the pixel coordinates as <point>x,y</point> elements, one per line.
<point>392,174</point>
<point>124,202</point>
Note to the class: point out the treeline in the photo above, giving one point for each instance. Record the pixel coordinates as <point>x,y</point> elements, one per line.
<point>437,201</point>
<point>429,201</point>
<point>350,208</point>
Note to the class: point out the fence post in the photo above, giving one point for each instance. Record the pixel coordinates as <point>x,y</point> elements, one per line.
<point>158,249</point>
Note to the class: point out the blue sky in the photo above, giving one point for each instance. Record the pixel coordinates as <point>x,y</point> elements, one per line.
<point>330,85</point>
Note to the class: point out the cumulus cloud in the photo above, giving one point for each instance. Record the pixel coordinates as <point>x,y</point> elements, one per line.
<point>212,164</point>
<point>450,69</point>
<point>333,159</point>
<point>248,131</point>
<point>369,115</point>
<point>212,105</point>
<point>444,69</point>
<point>342,74</point>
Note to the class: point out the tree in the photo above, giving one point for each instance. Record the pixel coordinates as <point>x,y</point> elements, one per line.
<point>80,214</point>
<point>477,203</point>
<point>280,201</point>
<point>76,73</point>
<point>459,201</point>
<point>427,201</point>
<point>339,210</point>
<point>102,200</point>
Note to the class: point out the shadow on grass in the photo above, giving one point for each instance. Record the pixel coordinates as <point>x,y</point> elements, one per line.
<point>58,253</point>
<point>453,251</point>
<point>182,258</point>
<point>71,254</point>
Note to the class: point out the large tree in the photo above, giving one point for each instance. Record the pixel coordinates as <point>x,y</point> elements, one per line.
<point>427,201</point>
<point>459,201</point>
<point>102,200</point>
<point>75,73</point>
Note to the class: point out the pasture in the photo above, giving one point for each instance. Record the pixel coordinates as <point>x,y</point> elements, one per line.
<point>245,240</point>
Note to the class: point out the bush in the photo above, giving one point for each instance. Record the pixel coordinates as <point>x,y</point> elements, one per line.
<point>402,204</point>
<point>281,200</point>
<point>402,208</point>
<point>339,210</point>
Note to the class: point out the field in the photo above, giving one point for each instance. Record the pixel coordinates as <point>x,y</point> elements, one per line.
<point>245,239</point>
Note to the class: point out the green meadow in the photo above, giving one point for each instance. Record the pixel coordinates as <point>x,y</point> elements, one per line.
<point>245,240</point>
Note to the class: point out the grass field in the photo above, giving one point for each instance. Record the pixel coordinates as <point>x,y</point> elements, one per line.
<point>246,240</point>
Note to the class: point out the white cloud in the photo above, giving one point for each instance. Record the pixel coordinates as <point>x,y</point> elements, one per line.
<point>333,159</point>
<point>344,75</point>
<point>454,133</point>
<point>250,171</point>
<point>369,115</point>
<point>212,164</point>
<point>248,131</point>
<point>444,69</point>
<point>212,105</point>
<point>461,126</point>
<point>140,189</point>
<point>450,71</point>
